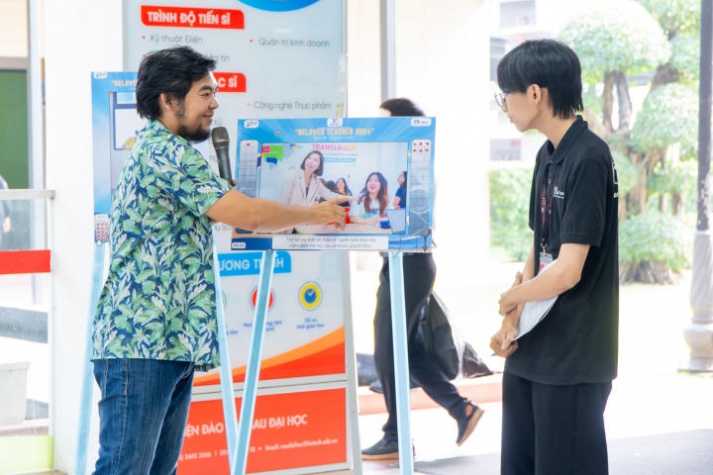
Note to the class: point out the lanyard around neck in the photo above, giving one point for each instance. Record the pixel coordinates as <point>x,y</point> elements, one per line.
<point>545,207</point>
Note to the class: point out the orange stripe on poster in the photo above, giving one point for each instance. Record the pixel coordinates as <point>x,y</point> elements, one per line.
<point>25,262</point>
<point>322,356</point>
<point>289,431</point>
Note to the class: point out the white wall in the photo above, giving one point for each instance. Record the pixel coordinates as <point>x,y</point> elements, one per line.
<point>442,63</point>
<point>13,28</point>
<point>82,37</point>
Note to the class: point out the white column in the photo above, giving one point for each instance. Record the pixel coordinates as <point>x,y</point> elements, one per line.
<point>80,37</point>
<point>699,333</point>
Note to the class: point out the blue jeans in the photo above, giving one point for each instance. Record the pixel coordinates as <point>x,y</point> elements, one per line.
<point>142,415</point>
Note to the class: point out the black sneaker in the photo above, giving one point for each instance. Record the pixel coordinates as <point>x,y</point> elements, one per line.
<point>382,450</point>
<point>467,424</point>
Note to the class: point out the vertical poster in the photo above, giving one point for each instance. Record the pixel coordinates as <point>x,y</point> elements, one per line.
<point>304,344</point>
<point>275,58</point>
<point>115,124</point>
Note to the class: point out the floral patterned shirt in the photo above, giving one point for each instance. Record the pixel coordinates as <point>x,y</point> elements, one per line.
<point>158,301</point>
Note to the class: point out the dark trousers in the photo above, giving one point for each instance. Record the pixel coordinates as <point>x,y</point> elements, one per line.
<point>419,276</point>
<point>553,429</point>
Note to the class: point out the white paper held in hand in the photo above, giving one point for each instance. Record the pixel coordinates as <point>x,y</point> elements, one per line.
<point>533,312</point>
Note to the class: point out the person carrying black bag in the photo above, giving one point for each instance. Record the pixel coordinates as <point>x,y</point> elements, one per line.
<point>419,271</point>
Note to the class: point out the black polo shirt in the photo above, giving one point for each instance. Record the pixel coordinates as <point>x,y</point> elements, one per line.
<point>575,193</point>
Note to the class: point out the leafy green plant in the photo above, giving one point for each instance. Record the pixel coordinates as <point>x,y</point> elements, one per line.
<point>669,116</point>
<point>509,207</point>
<point>660,242</point>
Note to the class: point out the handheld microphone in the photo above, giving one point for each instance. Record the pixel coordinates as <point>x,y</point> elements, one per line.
<point>221,143</point>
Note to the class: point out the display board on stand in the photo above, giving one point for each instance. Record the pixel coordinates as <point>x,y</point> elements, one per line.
<point>366,154</point>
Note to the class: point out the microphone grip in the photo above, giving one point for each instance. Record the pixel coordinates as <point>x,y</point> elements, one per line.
<point>224,165</point>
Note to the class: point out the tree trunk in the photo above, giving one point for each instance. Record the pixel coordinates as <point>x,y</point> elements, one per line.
<point>646,272</point>
<point>624,100</point>
<point>652,158</point>
<point>595,125</point>
<point>665,74</point>
<point>639,193</point>
<point>677,204</point>
<point>622,209</point>
<point>608,101</point>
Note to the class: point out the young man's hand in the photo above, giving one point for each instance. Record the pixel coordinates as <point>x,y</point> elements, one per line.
<point>505,305</point>
<point>503,343</point>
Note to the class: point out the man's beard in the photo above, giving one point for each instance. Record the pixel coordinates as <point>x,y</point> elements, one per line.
<point>195,135</point>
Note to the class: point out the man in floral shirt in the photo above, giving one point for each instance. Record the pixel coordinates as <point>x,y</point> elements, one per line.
<point>156,319</point>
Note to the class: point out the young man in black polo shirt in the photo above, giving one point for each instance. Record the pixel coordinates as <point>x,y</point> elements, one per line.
<point>558,377</point>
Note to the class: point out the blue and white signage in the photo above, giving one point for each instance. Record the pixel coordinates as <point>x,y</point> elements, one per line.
<point>383,165</point>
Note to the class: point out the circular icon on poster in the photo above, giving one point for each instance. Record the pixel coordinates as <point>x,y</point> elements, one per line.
<point>270,302</point>
<point>279,5</point>
<point>310,296</point>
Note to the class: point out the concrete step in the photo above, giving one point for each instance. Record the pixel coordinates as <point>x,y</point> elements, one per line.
<point>479,390</point>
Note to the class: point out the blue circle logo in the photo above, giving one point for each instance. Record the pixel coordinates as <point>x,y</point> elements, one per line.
<point>310,296</point>
<point>278,5</point>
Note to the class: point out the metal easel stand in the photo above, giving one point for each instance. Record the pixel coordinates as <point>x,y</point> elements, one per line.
<point>238,451</point>
<point>226,376</point>
<point>401,371</point>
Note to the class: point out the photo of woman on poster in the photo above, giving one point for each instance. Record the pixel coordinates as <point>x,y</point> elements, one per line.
<point>373,201</point>
<point>342,187</point>
<point>400,196</point>
<point>305,187</point>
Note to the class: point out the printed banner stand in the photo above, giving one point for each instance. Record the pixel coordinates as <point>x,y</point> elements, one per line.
<point>272,157</point>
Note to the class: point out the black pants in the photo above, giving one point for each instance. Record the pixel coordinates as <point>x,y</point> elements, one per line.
<point>419,276</point>
<point>553,429</point>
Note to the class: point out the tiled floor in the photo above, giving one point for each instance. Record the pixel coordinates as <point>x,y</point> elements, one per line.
<point>659,420</point>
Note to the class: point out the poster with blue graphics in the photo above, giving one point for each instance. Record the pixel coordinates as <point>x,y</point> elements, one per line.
<point>381,167</point>
<point>115,124</point>
<point>274,58</point>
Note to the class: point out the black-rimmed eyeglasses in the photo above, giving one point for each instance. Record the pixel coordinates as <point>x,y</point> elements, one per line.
<point>499,99</point>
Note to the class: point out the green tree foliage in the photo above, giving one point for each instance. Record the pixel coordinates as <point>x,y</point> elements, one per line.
<point>625,171</point>
<point>669,116</point>
<point>653,246</point>
<point>616,36</point>
<point>655,148</point>
<point>508,229</point>
<point>675,16</point>
<point>686,57</point>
